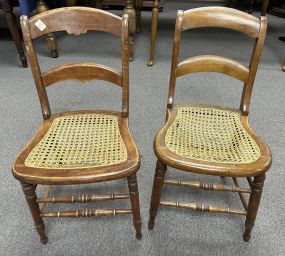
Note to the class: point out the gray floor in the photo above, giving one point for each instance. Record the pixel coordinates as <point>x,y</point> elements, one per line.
<point>177,232</point>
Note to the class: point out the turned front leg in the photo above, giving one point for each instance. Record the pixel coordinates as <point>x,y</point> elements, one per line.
<point>253,204</point>
<point>12,24</point>
<point>51,42</point>
<point>31,198</point>
<point>156,192</point>
<point>129,9</point>
<point>134,197</point>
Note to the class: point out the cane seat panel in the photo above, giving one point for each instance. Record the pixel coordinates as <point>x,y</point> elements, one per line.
<point>79,147</point>
<point>210,134</point>
<point>79,141</point>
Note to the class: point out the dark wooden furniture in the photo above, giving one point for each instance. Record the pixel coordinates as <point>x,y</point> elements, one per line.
<point>213,140</point>
<point>133,9</point>
<point>14,30</point>
<point>83,146</point>
<point>264,7</point>
<point>282,38</point>
<point>265,4</point>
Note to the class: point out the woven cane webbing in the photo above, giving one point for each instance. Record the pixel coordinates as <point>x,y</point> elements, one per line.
<point>210,134</point>
<point>79,141</point>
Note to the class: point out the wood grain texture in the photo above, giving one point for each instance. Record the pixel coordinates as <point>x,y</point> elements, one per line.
<point>82,72</point>
<point>76,21</point>
<point>86,213</point>
<point>206,186</point>
<point>211,63</point>
<point>254,200</point>
<point>31,198</point>
<point>254,61</point>
<point>221,17</point>
<point>160,171</point>
<point>82,198</point>
<point>203,207</point>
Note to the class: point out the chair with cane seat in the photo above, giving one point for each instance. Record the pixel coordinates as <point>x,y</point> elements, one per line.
<point>78,147</point>
<point>213,140</point>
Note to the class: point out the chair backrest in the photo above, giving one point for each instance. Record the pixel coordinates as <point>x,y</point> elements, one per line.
<point>221,17</point>
<point>77,20</point>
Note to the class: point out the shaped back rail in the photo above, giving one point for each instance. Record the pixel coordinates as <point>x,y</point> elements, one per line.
<point>77,20</point>
<point>221,17</point>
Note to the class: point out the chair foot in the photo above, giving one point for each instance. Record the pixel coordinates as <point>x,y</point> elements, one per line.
<point>150,63</point>
<point>156,192</point>
<point>153,33</point>
<point>139,236</point>
<point>44,240</point>
<point>54,53</point>
<point>31,198</point>
<point>134,197</point>
<point>253,204</point>
<point>246,237</point>
<point>151,224</point>
<point>23,59</point>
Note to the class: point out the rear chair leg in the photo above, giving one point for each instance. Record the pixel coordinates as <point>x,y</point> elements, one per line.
<point>31,197</point>
<point>156,192</point>
<point>253,204</point>
<point>153,33</point>
<point>134,197</point>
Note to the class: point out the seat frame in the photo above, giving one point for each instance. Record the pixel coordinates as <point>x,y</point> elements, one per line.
<point>253,172</point>
<point>76,21</point>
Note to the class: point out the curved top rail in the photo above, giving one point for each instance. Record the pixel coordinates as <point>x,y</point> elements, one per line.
<point>212,63</point>
<point>75,20</point>
<point>221,17</point>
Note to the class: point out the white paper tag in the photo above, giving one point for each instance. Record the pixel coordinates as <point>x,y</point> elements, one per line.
<point>40,25</point>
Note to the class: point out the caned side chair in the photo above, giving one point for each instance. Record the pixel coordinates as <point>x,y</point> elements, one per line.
<point>213,140</point>
<point>78,147</point>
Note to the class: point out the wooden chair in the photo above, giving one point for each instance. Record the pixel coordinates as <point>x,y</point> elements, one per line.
<point>213,140</point>
<point>83,146</point>
<point>7,7</point>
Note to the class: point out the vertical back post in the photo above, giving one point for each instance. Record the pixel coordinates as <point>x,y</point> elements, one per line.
<point>125,65</point>
<point>175,54</point>
<point>35,68</point>
<point>254,61</point>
